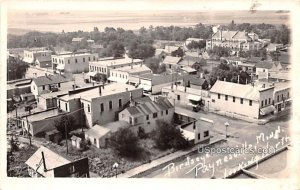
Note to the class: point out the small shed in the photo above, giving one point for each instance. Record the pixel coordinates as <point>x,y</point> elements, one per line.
<point>76,141</point>
<point>98,135</point>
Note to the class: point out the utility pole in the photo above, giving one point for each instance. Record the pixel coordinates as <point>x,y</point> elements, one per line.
<point>29,135</point>
<point>66,132</point>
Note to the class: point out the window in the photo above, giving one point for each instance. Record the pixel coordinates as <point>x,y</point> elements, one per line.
<point>250,102</point>
<point>178,97</point>
<point>68,61</point>
<point>281,96</point>
<point>263,70</point>
<point>58,85</point>
<point>95,141</point>
<point>72,169</point>
<point>198,136</point>
<point>89,108</point>
<point>83,59</point>
<point>130,120</point>
<point>269,100</point>
<point>44,88</point>
<point>62,61</point>
<point>219,96</point>
<point>75,60</point>
<point>213,100</point>
<point>277,98</point>
<point>266,101</point>
<point>53,60</point>
<point>154,115</point>
<point>38,99</point>
<point>233,99</point>
<point>206,133</point>
<point>288,94</point>
<point>59,104</point>
<point>120,103</point>
<point>89,59</point>
<point>104,70</point>
<point>102,107</point>
<point>147,117</point>
<point>94,58</point>
<point>135,120</point>
<point>110,105</point>
<point>167,112</point>
<point>82,105</point>
<point>162,113</point>
<point>262,103</point>
<point>226,97</point>
<point>241,100</point>
<point>66,104</point>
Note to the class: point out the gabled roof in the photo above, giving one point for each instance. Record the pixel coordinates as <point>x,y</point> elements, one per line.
<point>226,35</point>
<point>242,36</point>
<point>171,60</point>
<point>264,64</point>
<point>50,79</point>
<point>52,160</point>
<point>195,80</point>
<point>238,90</point>
<point>97,131</point>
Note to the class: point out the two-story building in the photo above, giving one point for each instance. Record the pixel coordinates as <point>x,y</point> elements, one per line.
<point>73,63</point>
<point>121,74</point>
<point>242,100</point>
<point>101,104</point>
<point>146,114</point>
<point>50,83</point>
<point>103,66</point>
<point>40,56</point>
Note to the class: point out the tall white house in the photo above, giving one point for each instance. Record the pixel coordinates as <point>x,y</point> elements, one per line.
<point>37,54</point>
<point>242,100</point>
<point>73,63</point>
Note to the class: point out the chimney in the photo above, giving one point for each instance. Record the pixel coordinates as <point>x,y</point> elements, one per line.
<point>100,91</point>
<point>44,162</point>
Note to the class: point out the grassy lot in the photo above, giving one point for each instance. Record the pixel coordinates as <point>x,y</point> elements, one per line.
<point>102,160</point>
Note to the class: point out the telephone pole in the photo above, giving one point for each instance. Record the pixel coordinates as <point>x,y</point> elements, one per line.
<point>66,132</point>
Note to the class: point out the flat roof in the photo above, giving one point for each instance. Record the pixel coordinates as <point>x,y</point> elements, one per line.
<point>54,94</point>
<point>109,89</point>
<point>73,55</point>
<point>38,116</point>
<point>115,62</point>
<point>133,68</point>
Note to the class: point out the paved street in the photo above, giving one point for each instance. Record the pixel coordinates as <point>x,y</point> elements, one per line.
<point>221,164</point>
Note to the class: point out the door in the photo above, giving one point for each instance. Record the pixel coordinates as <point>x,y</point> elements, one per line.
<point>279,107</point>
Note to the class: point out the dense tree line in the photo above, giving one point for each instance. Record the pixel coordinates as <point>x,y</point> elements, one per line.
<point>16,68</point>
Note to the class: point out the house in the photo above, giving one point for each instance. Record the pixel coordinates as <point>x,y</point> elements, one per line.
<point>160,54</point>
<point>27,97</point>
<point>121,74</point>
<point>73,63</point>
<point>39,56</point>
<point>235,40</point>
<point>77,40</point>
<point>247,67</point>
<point>96,48</point>
<point>99,104</point>
<point>145,115</point>
<point>186,96</point>
<point>280,75</point>
<point>282,95</point>
<point>196,82</point>
<point>49,100</point>
<point>235,61</point>
<point>50,83</point>
<point>264,67</point>
<point>274,47</point>
<point>170,48</point>
<point>189,40</point>
<point>246,101</point>
<point>76,141</point>
<point>103,66</point>
<point>46,163</point>
<point>198,131</point>
<point>188,70</point>
<point>98,136</point>
<point>171,62</point>
<point>153,83</point>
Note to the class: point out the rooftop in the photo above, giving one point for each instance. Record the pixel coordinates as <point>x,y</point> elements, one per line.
<point>238,90</point>
<point>38,116</point>
<point>73,55</point>
<point>97,131</point>
<point>114,126</point>
<point>54,94</point>
<point>194,91</point>
<point>171,60</point>
<point>52,160</point>
<point>194,39</point>
<point>109,89</point>
<point>51,79</point>
<point>114,62</point>
<point>133,68</point>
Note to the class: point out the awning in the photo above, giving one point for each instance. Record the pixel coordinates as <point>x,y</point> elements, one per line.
<point>92,74</point>
<point>60,67</point>
<point>193,97</point>
<point>145,87</point>
<point>267,110</point>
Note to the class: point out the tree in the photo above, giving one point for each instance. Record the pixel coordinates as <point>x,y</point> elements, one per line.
<point>138,50</point>
<point>197,45</point>
<point>167,136</point>
<point>16,68</point>
<point>125,143</point>
<point>116,49</point>
<point>65,121</point>
<point>178,53</point>
<point>155,66</point>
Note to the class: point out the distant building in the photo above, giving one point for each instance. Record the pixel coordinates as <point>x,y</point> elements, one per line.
<point>105,65</point>
<point>189,40</point>
<point>200,130</point>
<point>171,62</point>
<point>153,83</point>
<point>242,100</point>
<point>121,74</point>
<point>196,82</point>
<point>100,104</point>
<point>46,163</point>
<point>274,47</point>
<point>235,40</point>
<point>50,83</point>
<point>264,67</point>
<point>77,40</point>
<point>39,56</point>
<point>145,115</point>
<point>49,100</point>
<point>73,63</point>
<point>98,136</point>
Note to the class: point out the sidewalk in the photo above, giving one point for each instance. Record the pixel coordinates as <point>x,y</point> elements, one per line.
<point>163,160</point>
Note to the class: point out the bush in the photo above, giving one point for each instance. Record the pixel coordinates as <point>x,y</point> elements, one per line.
<point>141,133</point>
<point>125,143</point>
<point>167,136</point>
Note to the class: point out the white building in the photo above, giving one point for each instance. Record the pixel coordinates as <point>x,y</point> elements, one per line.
<point>121,74</point>
<point>41,55</point>
<point>104,66</point>
<point>198,131</point>
<point>98,136</point>
<point>241,100</point>
<point>73,63</point>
